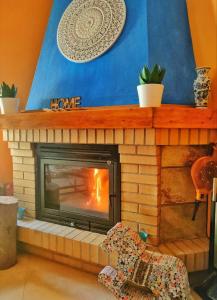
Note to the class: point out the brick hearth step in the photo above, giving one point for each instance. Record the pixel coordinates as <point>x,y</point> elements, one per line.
<point>194,253</point>
<point>81,249</point>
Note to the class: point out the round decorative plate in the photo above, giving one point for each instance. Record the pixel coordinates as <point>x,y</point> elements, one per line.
<point>88,28</point>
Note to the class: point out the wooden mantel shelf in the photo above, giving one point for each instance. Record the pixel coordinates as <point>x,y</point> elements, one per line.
<point>177,116</point>
<point>131,116</point>
<point>96,117</point>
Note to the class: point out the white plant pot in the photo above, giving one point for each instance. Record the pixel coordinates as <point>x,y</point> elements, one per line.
<point>9,105</point>
<point>150,95</point>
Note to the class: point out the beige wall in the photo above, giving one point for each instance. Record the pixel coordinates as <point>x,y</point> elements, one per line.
<point>203,22</point>
<point>22,27</point>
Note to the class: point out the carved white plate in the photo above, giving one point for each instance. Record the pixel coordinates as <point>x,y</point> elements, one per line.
<point>88,28</point>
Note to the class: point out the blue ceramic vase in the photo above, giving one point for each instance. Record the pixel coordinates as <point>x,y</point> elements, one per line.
<point>202,87</point>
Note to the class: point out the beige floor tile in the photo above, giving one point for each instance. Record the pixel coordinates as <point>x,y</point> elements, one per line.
<point>34,278</point>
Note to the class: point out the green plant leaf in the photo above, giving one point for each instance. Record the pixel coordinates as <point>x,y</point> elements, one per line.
<point>156,75</point>
<point>7,91</point>
<point>141,79</point>
<point>144,75</point>
<point>154,78</point>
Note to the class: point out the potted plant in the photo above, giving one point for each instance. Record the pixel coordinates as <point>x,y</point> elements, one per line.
<point>151,89</point>
<point>8,101</point>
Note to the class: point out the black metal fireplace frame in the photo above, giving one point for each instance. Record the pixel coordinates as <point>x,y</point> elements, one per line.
<point>104,156</point>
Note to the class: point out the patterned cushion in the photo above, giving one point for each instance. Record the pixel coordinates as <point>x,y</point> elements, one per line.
<point>140,271</point>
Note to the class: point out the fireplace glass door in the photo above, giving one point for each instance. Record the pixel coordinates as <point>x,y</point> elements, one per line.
<point>78,186</point>
<point>75,188</point>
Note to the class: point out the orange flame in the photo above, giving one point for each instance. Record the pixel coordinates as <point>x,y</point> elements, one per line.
<point>99,190</point>
<point>98,185</point>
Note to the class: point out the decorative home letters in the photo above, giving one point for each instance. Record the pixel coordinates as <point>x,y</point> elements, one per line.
<point>65,103</point>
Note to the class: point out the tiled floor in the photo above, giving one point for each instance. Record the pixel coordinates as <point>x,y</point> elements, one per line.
<point>34,278</point>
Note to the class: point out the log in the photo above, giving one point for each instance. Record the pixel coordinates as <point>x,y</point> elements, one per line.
<point>8,220</point>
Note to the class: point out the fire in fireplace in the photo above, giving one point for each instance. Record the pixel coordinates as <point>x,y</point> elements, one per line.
<point>77,188</point>
<point>78,185</point>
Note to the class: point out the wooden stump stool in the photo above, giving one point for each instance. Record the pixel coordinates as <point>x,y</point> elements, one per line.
<point>8,224</point>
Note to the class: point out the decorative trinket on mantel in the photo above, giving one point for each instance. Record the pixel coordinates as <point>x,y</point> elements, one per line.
<point>202,87</point>
<point>88,28</point>
<point>65,103</point>
<point>151,89</point>
<point>8,102</point>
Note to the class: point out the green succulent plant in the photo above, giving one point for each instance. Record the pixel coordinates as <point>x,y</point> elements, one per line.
<point>6,91</point>
<point>156,75</point>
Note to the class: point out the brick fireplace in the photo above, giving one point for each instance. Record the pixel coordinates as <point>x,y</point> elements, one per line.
<point>140,167</point>
<point>156,149</point>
